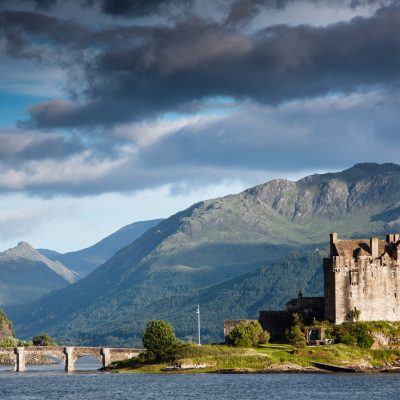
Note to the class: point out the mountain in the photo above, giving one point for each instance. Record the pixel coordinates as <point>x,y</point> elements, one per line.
<point>26,275</point>
<point>217,240</point>
<point>86,260</point>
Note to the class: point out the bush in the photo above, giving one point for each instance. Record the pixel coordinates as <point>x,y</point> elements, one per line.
<point>9,342</point>
<point>43,340</point>
<point>354,334</point>
<point>295,335</point>
<point>239,337</point>
<point>159,339</point>
<point>248,334</point>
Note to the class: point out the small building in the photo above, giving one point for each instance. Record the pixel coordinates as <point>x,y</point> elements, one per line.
<point>314,335</point>
<point>277,322</point>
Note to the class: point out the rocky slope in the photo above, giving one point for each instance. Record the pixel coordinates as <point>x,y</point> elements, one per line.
<point>26,275</point>
<point>6,329</point>
<point>217,240</point>
<point>86,260</point>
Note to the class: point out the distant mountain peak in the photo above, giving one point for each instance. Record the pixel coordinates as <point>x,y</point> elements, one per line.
<point>25,251</point>
<point>24,244</point>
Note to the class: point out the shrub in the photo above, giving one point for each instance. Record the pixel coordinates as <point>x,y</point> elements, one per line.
<point>44,340</point>
<point>248,334</point>
<point>239,337</point>
<point>9,342</point>
<point>159,339</point>
<point>354,334</point>
<point>295,335</point>
<point>353,315</point>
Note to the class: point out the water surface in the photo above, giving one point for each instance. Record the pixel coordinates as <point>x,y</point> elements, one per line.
<point>49,383</point>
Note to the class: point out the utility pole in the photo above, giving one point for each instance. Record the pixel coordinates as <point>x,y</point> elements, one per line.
<point>198,322</point>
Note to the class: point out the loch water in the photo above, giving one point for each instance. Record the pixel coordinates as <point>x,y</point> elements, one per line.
<point>50,382</point>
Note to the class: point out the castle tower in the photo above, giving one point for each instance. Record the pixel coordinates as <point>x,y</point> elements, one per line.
<point>362,274</point>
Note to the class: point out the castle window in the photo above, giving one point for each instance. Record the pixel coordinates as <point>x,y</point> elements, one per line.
<point>351,294</point>
<point>354,277</point>
<point>395,295</point>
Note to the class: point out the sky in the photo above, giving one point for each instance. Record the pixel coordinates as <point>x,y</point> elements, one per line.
<point>116,111</point>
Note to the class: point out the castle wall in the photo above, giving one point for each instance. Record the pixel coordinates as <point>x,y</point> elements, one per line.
<point>373,287</point>
<point>329,291</point>
<point>275,322</point>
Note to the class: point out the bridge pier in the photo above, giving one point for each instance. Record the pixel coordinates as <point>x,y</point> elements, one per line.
<point>70,359</point>
<point>20,365</point>
<point>105,357</point>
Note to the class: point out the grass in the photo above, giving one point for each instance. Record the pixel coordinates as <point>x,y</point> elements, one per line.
<point>270,357</point>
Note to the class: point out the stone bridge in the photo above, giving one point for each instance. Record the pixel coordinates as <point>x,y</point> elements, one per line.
<point>22,355</point>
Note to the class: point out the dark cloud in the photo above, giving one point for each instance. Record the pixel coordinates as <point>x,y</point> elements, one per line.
<point>158,69</point>
<point>117,8</point>
<point>139,8</point>
<point>35,27</point>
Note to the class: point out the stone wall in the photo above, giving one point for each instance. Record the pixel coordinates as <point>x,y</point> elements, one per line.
<point>275,322</point>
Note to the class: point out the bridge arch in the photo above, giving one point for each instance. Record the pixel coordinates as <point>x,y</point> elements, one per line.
<point>70,354</point>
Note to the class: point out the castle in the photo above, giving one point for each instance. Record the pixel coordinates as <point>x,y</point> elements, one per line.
<point>361,275</point>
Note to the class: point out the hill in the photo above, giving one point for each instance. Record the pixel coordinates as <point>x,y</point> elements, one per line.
<point>26,275</point>
<point>86,260</point>
<point>216,240</point>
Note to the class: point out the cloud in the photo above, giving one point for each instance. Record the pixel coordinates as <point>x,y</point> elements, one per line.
<point>326,133</point>
<point>243,11</point>
<point>148,103</point>
<point>143,72</point>
<point>17,146</point>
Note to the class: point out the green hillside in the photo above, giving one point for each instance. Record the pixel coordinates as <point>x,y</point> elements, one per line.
<point>86,260</point>
<point>214,241</point>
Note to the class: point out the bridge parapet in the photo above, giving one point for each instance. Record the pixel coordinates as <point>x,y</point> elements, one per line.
<point>69,354</point>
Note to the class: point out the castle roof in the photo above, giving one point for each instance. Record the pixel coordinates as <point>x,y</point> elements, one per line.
<point>357,248</point>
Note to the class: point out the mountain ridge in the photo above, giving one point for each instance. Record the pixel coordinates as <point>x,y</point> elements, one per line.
<point>26,275</point>
<point>86,260</point>
<point>219,239</point>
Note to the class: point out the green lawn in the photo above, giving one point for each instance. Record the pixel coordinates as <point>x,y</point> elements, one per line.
<point>266,357</point>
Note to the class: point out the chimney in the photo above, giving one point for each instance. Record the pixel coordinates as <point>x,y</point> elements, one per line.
<point>374,247</point>
<point>334,239</point>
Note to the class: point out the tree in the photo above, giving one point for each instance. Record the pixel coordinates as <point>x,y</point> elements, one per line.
<point>43,340</point>
<point>159,339</point>
<point>248,334</point>
<point>239,337</point>
<point>295,334</point>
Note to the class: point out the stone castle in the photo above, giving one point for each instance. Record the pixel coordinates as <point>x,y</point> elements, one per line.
<point>360,275</point>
